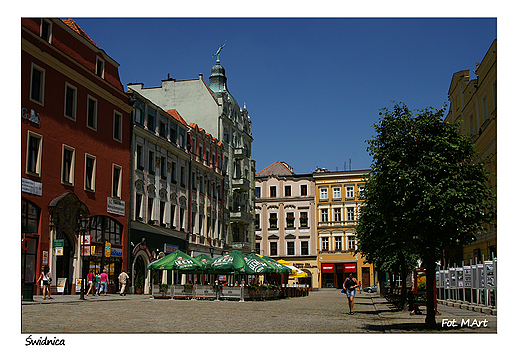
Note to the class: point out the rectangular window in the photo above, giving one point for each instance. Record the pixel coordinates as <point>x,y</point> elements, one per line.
<point>181,219</point>
<point>174,173</point>
<point>350,213</point>
<point>162,129</point>
<point>303,190</point>
<point>138,116</point>
<point>324,194</point>
<point>349,192</point>
<point>274,248</point>
<point>37,83</point>
<point>290,220</point>
<point>139,207</point>
<point>273,220</point>
<point>304,219</point>
<point>46,30</point>
<point>290,248</point>
<point>351,243</point>
<point>92,112</point>
<point>257,192</point>
<point>151,120</point>
<point>272,191</point>
<point>163,168</point>
<point>337,243</point>
<point>116,181</point>
<point>173,134</point>
<point>150,210</point>
<point>485,109</point>
<point>67,169</point>
<point>336,193</point>
<point>304,247</point>
<point>100,67</point>
<point>161,214</point>
<point>139,157</point>
<point>70,101</point>
<point>181,138</point>
<point>151,162</point>
<point>324,215</point>
<point>325,244</point>
<point>257,221</point>
<point>287,190</point>
<point>118,127</point>
<point>361,191</point>
<point>337,215</point>
<point>183,176</point>
<point>90,172</point>
<point>34,154</point>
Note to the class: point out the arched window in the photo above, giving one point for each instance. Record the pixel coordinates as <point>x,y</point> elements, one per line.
<point>104,228</point>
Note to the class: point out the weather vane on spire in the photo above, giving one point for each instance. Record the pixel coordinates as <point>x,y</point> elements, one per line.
<point>217,54</point>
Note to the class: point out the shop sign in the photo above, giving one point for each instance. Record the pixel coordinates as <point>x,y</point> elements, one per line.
<point>143,247</point>
<point>168,248</point>
<point>58,243</point>
<point>31,115</point>
<point>45,260</point>
<point>58,251</point>
<point>31,187</point>
<point>60,284</point>
<point>85,250</point>
<point>350,267</point>
<point>78,285</point>
<point>116,252</point>
<point>85,239</point>
<point>108,248</point>
<point>115,206</point>
<point>327,268</point>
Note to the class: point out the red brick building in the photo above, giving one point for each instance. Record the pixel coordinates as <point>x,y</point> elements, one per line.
<point>75,154</point>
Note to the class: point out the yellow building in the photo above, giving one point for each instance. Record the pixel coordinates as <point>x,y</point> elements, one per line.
<point>339,196</point>
<point>473,104</point>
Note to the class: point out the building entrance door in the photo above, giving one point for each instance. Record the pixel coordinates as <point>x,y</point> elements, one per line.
<point>365,276</point>
<point>64,264</point>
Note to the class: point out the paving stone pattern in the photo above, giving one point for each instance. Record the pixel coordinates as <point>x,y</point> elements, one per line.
<point>323,311</point>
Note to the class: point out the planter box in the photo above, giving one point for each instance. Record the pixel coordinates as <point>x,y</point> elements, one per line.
<point>178,291</point>
<point>158,293</point>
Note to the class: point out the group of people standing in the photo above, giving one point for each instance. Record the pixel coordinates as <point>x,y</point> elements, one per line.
<point>98,282</point>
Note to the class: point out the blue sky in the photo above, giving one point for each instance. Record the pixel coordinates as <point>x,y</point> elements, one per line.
<point>313,86</point>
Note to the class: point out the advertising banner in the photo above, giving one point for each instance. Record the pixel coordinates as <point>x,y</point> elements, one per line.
<point>490,274</point>
<point>327,268</point>
<point>108,248</point>
<point>467,276</point>
<point>460,277</point>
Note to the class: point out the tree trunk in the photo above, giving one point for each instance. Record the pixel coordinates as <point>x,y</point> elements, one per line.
<point>430,294</point>
<point>404,273</point>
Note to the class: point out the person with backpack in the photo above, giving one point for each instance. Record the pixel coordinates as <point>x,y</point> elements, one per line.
<point>350,286</point>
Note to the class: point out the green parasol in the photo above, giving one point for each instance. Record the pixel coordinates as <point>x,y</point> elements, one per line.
<point>178,261</point>
<point>205,260</point>
<point>280,268</point>
<point>256,265</point>
<point>231,262</point>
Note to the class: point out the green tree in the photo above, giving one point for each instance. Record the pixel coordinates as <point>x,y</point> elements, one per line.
<point>424,193</point>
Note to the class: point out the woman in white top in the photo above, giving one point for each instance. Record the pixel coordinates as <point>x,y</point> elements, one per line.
<point>45,277</point>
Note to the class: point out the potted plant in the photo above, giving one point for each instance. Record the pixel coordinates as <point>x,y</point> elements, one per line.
<point>139,283</point>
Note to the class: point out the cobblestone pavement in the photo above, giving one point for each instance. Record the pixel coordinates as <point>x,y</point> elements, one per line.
<point>323,311</point>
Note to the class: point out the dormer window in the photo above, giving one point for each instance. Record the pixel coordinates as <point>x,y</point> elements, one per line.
<point>100,67</point>
<point>46,30</point>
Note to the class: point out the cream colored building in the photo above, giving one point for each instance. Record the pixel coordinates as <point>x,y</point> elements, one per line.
<point>473,104</point>
<point>285,219</point>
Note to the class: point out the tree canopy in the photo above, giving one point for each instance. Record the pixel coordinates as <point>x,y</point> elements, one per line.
<point>424,193</point>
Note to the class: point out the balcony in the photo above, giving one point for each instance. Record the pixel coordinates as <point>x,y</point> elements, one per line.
<point>241,246</point>
<point>240,217</point>
<point>241,184</point>
<point>240,153</point>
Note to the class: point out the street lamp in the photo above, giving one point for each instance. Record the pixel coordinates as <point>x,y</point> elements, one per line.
<point>84,224</point>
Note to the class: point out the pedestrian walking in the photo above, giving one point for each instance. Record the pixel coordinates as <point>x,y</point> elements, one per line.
<point>123,278</point>
<point>90,279</point>
<point>103,279</point>
<point>350,286</point>
<point>96,283</point>
<point>45,281</point>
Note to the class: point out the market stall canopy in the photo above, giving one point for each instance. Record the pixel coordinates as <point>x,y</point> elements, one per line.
<point>178,261</point>
<point>296,272</point>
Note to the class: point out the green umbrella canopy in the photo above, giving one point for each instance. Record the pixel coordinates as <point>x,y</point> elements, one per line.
<point>205,260</point>
<point>280,268</point>
<point>178,261</point>
<point>231,262</point>
<point>255,265</point>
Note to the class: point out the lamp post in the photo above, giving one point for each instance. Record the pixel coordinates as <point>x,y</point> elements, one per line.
<point>84,223</point>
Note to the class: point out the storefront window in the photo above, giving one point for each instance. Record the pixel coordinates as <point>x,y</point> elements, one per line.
<point>29,260</point>
<point>30,217</point>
